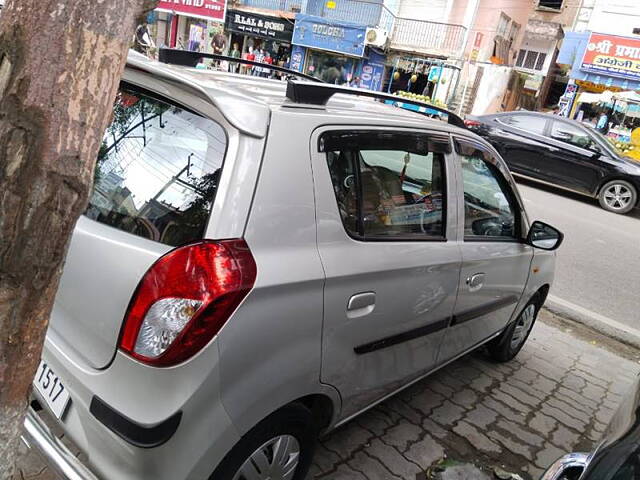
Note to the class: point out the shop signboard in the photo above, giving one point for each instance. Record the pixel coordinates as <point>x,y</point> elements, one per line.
<point>330,35</point>
<point>271,28</point>
<point>297,58</point>
<point>206,9</point>
<point>372,71</point>
<point>612,55</point>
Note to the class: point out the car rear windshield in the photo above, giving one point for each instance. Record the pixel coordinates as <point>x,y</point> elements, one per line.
<point>157,170</point>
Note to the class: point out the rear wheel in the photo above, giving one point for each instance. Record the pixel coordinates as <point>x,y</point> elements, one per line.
<point>511,341</point>
<point>618,196</point>
<point>278,448</point>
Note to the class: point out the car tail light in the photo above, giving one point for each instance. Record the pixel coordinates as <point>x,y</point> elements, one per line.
<point>184,299</point>
<point>472,123</point>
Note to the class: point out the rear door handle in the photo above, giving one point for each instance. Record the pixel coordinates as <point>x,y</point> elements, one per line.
<point>361,304</point>
<point>475,282</point>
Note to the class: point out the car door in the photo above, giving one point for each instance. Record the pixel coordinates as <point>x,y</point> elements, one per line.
<point>520,139</point>
<point>387,240</point>
<point>573,162</point>
<point>495,260</point>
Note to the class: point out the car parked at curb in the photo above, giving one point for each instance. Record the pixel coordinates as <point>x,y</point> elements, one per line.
<point>563,153</point>
<point>261,261</point>
<point>617,454</point>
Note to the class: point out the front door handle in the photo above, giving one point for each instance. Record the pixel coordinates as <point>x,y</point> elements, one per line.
<point>475,282</point>
<point>361,304</point>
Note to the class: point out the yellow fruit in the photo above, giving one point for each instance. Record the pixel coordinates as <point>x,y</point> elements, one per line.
<point>414,78</point>
<point>396,75</point>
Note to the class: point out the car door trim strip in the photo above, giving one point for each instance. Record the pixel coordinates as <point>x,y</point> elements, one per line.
<point>402,337</point>
<point>483,310</point>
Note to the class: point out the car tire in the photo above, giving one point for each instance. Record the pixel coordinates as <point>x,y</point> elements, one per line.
<point>289,429</point>
<point>507,345</point>
<point>618,196</point>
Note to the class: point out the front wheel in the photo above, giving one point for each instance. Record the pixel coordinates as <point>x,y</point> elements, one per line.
<point>618,196</point>
<point>512,339</point>
<point>279,448</point>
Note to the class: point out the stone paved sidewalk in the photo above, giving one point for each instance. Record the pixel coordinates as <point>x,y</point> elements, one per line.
<point>556,396</point>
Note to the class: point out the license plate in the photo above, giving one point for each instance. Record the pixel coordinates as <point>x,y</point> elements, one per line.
<point>52,390</point>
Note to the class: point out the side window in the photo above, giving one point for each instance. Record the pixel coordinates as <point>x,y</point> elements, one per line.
<point>388,186</point>
<point>157,170</point>
<point>489,211</point>
<point>530,123</point>
<point>567,133</point>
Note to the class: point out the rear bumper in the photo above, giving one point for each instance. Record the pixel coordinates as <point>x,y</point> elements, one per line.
<point>57,456</point>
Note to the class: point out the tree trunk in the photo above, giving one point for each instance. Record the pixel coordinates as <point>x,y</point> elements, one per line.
<point>60,64</point>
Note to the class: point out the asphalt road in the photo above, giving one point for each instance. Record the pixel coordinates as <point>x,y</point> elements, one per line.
<point>598,266</point>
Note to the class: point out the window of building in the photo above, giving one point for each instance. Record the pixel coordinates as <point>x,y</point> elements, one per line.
<point>513,33</point>
<point>552,4</point>
<point>503,25</point>
<point>388,185</point>
<point>531,60</point>
<point>157,170</point>
<point>489,205</point>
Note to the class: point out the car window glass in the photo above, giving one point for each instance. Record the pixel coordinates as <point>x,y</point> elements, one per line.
<point>573,135</point>
<point>387,185</point>
<point>157,170</point>
<point>530,123</point>
<point>488,200</point>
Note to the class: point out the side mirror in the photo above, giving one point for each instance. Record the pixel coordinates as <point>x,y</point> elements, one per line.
<point>544,236</point>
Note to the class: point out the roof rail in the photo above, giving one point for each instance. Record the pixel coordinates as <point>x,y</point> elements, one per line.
<point>188,58</point>
<point>320,93</point>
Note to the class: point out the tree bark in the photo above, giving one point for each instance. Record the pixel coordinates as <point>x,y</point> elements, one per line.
<point>60,64</point>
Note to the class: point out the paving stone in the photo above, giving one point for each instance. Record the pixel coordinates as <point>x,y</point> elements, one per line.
<point>325,459</point>
<point>371,468</point>
<point>530,438</point>
<point>344,472</point>
<point>503,410</point>
<point>447,414</point>
<point>527,389</point>
<point>593,392</point>
<point>426,401</point>
<point>482,383</point>
<point>512,445</point>
<point>569,409</point>
<point>604,414</point>
<point>481,416</point>
<point>425,452</point>
<point>547,455</point>
<point>562,417</point>
<point>571,397</point>
<point>543,423</point>
<point>402,435</point>
<point>392,459</point>
<point>564,438</point>
<point>476,438</point>
<point>520,395</point>
<point>347,439</point>
<point>466,398</point>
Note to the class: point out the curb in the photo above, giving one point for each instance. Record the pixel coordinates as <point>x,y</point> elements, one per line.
<point>600,323</point>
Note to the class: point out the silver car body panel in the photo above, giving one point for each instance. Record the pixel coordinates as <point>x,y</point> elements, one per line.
<point>276,194</point>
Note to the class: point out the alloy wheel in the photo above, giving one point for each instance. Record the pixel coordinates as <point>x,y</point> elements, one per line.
<point>276,459</point>
<point>523,325</point>
<point>618,196</point>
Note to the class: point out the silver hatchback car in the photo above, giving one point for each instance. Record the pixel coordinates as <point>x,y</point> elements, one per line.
<point>261,261</point>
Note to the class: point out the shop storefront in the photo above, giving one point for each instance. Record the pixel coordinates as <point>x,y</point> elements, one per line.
<point>195,25</point>
<point>251,34</point>
<point>599,63</point>
<point>333,51</point>
<point>433,78</point>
